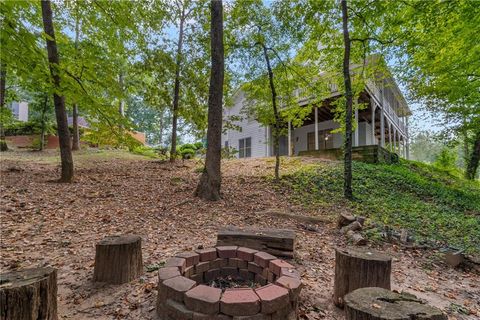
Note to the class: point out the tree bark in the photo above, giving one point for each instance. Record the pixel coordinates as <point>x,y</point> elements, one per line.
<point>118,259</point>
<point>210,182</point>
<point>3,78</point>
<point>59,101</point>
<point>29,294</point>
<point>383,304</point>
<point>356,268</point>
<point>347,186</point>
<point>76,133</point>
<point>474,159</point>
<point>176,89</point>
<point>276,131</point>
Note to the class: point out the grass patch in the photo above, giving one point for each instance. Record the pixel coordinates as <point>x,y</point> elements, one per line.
<point>431,203</point>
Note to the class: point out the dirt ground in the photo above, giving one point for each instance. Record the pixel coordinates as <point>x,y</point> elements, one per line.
<point>47,223</point>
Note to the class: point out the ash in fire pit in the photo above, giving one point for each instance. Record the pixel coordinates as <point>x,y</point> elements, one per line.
<point>226,282</point>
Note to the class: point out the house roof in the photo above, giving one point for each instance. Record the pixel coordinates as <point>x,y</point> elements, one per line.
<point>82,123</point>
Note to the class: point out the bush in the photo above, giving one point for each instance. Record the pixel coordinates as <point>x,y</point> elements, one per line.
<point>198,145</point>
<point>229,153</point>
<point>19,128</point>
<point>446,159</point>
<point>187,153</point>
<point>144,151</point>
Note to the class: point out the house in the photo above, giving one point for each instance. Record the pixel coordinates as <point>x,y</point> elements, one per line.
<point>383,124</point>
<point>19,110</point>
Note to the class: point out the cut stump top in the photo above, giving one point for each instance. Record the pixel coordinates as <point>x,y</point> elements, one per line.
<point>385,304</point>
<point>119,240</point>
<point>21,278</point>
<point>364,254</point>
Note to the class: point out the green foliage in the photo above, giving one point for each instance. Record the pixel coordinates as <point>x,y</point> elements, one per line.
<point>6,116</point>
<point>229,153</point>
<point>186,151</point>
<point>446,159</point>
<point>431,203</point>
<point>19,128</point>
<point>144,151</point>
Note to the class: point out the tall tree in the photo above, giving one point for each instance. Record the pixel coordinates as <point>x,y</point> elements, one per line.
<point>3,79</point>
<point>347,183</point>
<point>59,101</point>
<point>75,129</point>
<point>210,182</point>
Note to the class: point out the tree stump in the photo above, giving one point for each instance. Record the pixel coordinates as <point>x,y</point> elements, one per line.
<point>29,294</point>
<point>118,259</point>
<point>383,304</point>
<point>358,268</point>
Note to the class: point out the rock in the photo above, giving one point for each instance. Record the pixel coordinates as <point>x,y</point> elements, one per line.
<point>356,238</point>
<point>454,259</point>
<point>354,226</point>
<point>361,220</point>
<point>344,219</point>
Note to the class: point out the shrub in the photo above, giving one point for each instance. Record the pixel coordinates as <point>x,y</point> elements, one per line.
<point>229,153</point>
<point>446,159</point>
<point>187,153</point>
<point>198,145</point>
<point>144,151</point>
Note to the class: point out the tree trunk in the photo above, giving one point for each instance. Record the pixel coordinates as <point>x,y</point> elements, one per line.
<point>276,131</point>
<point>29,294</point>
<point>474,159</point>
<point>59,101</point>
<point>176,89</point>
<point>382,304</point>
<point>356,268</point>
<point>121,105</point>
<point>76,134</point>
<point>210,182</point>
<point>3,78</point>
<point>118,259</point>
<point>347,186</point>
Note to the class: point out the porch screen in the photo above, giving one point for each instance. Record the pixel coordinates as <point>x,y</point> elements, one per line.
<point>325,140</point>
<point>245,148</point>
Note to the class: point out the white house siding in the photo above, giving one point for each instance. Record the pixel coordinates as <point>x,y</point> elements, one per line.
<point>250,129</point>
<point>365,134</point>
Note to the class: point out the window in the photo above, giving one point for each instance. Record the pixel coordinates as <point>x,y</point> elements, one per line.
<point>226,144</point>
<point>245,148</point>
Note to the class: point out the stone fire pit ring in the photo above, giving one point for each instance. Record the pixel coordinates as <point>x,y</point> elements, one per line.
<point>184,293</point>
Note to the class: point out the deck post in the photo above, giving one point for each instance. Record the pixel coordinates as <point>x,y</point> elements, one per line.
<point>373,106</point>
<point>389,136</point>
<point>407,155</point>
<point>316,128</point>
<point>289,138</point>
<point>404,147</point>
<point>382,128</point>
<point>356,128</point>
<point>395,140</point>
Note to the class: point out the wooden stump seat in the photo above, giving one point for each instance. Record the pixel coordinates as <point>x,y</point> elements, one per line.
<point>29,294</point>
<point>118,259</point>
<point>358,268</point>
<point>383,304</point>
<point>279,242</point>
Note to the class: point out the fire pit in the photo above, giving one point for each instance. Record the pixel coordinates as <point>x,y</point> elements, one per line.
<point>225,283</point>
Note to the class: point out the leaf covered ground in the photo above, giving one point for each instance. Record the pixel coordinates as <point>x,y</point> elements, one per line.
<point>46,223</point>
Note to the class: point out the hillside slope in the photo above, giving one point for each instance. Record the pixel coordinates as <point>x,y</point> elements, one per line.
<point>435,206</point>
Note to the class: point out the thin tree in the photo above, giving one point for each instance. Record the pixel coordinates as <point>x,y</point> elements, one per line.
<point>472,165</point>
<point>76,133</point>
<point>210,182</point>
<point>3,76</point>
<point>176,88</point>
<point>347,187</point>
<point>276,132</point>
<point>59,101</point>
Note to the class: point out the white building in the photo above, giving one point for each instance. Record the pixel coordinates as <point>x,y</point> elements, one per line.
<point>20,110</point>
<point>383,123</point>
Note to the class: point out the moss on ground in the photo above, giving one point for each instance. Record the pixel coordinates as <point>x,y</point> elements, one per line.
<point>435,205</point>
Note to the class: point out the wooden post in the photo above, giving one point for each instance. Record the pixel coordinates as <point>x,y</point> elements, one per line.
<point>118,259</point>
<point>382,304</point>
<point>382,128</point>
<point>289,138</point>
<point>358,268</point>
<point>29,294</point>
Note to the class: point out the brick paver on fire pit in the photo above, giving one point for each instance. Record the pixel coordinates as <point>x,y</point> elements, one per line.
<point>176,287</point>
<point>203,299</point>
<point>184,290</point>
<point>240,302</point>
<point>272,298</point>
